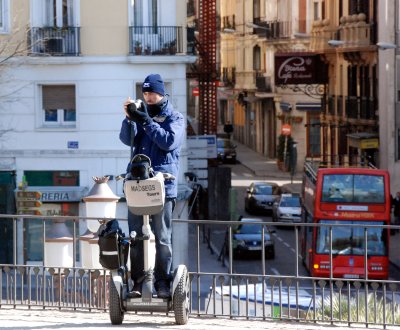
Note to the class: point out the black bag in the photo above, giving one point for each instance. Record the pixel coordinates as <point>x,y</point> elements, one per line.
<point>114,249</point>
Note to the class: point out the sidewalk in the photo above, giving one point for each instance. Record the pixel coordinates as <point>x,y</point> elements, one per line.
<point>50,319</point>
<point>264,167</point>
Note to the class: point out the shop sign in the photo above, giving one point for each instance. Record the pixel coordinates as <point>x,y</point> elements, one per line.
<point>369,144</point>
<point>299,68</point>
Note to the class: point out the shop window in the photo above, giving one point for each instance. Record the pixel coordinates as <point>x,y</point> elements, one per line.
<point>33,229</point>
<point>52,178</point>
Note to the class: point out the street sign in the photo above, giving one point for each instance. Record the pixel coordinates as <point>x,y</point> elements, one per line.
<point>196,91</point>
<point>29,195</point>
<point>286,129</point>
<point>29,212</point>
<point>28,203</point>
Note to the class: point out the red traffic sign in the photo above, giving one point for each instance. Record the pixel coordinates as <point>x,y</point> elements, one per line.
<point>196,91</point>
<point>286,129</point>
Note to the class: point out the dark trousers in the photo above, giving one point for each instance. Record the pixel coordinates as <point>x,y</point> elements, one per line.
<point>161,225</point>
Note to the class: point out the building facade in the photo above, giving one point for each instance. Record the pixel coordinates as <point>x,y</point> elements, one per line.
<point>67,67</point>
<point>333,117</point>
<point>389,106</point>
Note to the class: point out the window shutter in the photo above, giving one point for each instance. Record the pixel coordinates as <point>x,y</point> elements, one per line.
<point>59,97</point>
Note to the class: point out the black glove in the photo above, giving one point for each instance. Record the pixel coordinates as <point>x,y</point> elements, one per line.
<point>138,113</point>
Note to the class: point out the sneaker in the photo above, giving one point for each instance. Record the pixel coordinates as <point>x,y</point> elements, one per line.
<point>163,290</point>
<point>136,291</point>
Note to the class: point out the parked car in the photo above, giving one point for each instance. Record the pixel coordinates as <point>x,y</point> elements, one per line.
<point>226,150</point>
<point>260,197</point>
<point>287,208</point>
<point>247,239</point>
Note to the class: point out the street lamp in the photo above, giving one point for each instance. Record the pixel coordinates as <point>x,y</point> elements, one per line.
<point>386,45</point>
<point>336,43</point>
<point>302,35</point>
<point>256,26</point>
<point>228,30</point>
<point>101,203</point>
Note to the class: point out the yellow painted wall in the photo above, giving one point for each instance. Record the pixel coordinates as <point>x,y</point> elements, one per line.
<point>104,27</point>
<point>15,40</point>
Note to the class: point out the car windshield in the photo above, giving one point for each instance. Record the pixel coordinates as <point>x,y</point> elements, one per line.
<point>252,229</point>
<point>223,143</point>
<point>263,190</point>
<point>290,202</point>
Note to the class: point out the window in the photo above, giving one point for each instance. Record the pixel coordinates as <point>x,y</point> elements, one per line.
<point>4,16</point>
<point>319,10</point>
<point>34,229</point>
<point>313,135</point>
<point>59,13</point>
<point>52,178</point>
<point>256,58</point>
<point>353,188</point>
<point>350,240</point>
<point>145,13</point>
<point>58,104</point>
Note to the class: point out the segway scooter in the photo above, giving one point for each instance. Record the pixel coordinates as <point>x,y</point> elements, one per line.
<point>145,195</point>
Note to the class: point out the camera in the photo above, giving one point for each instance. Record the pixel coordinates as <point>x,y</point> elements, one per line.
<point>135,105</point>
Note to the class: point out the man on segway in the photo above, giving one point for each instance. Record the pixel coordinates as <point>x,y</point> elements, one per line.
<point>153,128</point>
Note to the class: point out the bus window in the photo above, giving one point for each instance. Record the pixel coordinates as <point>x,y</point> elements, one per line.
<point>351,188</point>
<point>369,189</point>
<point>348,240</point>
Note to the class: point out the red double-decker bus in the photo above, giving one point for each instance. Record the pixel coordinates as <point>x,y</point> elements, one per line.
<point>349,208</point>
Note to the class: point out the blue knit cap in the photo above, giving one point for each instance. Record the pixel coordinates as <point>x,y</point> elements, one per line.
<point>153,83</point>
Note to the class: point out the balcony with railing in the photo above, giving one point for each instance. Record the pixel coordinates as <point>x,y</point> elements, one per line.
<point>263,82</point>
<point>155,40</point>
<point>272,29</point>
<point>54,41</point>
<point>352,107</point>
<point>353,31</point>
<point>360,108</point>
<point>228,76</point>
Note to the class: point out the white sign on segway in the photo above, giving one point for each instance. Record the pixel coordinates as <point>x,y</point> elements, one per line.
<point>145,196</point>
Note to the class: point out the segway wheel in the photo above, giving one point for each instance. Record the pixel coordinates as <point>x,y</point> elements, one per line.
<point>182,299</point>
<point>116,313</point>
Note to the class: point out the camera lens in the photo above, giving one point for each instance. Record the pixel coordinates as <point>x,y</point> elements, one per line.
<point>131,107</point>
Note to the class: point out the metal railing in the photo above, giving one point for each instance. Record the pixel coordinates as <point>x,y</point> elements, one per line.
<point>218,292</point>
<point>155,40</point>
<point>54,41</point>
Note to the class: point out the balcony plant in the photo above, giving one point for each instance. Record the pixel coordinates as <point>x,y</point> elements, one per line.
<point>147,50</point>
<point>172,47</point>
<point>138,47</point>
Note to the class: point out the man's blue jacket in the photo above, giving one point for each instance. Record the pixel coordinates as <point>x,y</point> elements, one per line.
<point>161,140</point>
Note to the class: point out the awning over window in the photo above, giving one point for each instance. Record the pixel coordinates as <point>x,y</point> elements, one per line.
<point>286,106</point>
<point>308,106</point>
<point>363,140</point>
